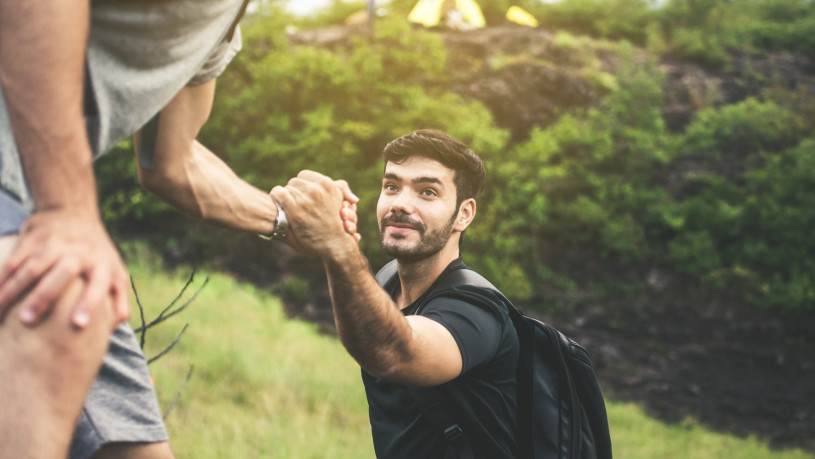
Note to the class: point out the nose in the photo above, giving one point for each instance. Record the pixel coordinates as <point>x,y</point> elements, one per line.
<point>402,204</point>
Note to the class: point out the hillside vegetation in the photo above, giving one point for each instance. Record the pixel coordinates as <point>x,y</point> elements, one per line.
<point>264,386</point>
<point>588,189</point>
<point>650,179</point>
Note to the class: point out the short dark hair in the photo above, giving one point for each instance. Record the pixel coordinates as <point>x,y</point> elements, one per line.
<point>469,172</point>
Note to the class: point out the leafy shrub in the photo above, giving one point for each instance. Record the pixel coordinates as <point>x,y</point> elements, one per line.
<point>613,19</point>
<point>726,204</point>
<point>122,201</point>
<point>577,191</point>
<point>743,213</point>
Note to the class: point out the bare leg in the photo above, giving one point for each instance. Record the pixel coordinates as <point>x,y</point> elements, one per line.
<point>47,371</point>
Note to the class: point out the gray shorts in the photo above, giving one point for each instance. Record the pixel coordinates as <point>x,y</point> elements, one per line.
<point>121,405</point>
<point>12,214</point>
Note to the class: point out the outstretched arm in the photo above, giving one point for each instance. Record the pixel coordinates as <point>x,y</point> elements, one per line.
<point>410,350</point>
<point>42,55</point>
<point>192,178</point>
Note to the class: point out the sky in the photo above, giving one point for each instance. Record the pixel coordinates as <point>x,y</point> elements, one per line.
<point>303,7</point>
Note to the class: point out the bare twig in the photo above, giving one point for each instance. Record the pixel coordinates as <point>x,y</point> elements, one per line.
<point>167,313</point>
<point>180,294</point>
<point>168,348</point>
<point>141,329</point>
<point>178,394</point>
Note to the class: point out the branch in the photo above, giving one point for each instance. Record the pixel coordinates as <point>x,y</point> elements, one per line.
<point>141,329</point>
<point>166,313</point>
<point>168,348</point>
<point>178,394</point>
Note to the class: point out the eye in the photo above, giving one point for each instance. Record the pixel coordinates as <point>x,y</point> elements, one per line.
<point>389,187</point>
<point>429,192</point>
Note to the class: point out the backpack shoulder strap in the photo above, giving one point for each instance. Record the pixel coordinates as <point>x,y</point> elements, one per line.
<point>386,273</point>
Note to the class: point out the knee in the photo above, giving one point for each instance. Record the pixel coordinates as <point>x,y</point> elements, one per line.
<point>55,346</point>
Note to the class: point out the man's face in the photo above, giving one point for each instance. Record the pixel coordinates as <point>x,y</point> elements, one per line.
<point>416,209</point>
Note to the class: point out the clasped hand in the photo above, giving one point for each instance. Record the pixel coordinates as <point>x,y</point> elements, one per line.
<point>321,212</point>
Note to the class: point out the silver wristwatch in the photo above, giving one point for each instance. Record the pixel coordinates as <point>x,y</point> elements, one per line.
<point>281,225</point>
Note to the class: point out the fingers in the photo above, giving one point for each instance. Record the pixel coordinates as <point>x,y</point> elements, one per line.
<point>283,196</point>
<point>97,287</point>
<point>348,215</point>
<point>19,254</point>
<point>347,194</point>
<point>342,185</point>
<point>24,270</point>
<point>37,303</point>
<point>121,300</point>
<point>101,284</point>
<point>54,249</point>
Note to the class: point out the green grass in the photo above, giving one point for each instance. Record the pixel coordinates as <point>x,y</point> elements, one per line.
<point>264,386</point>
<point>635,435</point>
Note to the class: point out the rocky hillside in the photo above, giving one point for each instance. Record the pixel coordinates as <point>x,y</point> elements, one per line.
<point>732,368</point>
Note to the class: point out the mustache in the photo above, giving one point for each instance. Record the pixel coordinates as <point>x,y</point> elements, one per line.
<point>402,219</point>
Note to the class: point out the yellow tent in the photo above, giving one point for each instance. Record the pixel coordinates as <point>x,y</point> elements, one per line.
<point>519,15</point>
<point>458,13</point>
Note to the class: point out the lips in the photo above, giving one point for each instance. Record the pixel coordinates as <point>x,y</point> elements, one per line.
<point>401,223</point>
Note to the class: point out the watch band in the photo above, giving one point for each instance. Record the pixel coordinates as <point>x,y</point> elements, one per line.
<point>281,225</point>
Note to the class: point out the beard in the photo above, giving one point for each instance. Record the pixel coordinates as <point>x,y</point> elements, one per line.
<point>429,243</point>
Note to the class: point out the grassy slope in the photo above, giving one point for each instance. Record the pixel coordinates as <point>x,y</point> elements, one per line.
<point>267,387</point>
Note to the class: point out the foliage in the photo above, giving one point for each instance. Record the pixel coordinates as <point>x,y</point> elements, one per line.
<point>597,198</point>
<point>279,111</point>
<point>121,199</point>
<point>743,214</point>
<point>618,19</point>
<point>584,185</point>
<point>266,386</point>
<point>700,30</point>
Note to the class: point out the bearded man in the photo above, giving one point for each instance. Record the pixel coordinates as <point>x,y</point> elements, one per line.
<point>412,332</point>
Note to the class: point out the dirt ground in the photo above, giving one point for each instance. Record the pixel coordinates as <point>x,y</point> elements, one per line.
<point>730,368</point>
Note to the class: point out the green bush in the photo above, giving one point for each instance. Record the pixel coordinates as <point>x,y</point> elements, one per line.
<point>613,19</point>
<point>743,213</point>
<point>596,198</point>
<point>122,201</point>
<point>704,30</point>
<point>577,192</point>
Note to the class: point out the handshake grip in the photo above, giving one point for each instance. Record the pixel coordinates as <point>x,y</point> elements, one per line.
<point>305,179</point>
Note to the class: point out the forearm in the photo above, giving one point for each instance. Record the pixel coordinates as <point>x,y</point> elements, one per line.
<point>195,180</point>
<point>202,185</point>
<point>42,52</point>
<point>369,324</point>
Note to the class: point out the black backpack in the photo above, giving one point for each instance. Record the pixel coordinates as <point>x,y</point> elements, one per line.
<point>561,410</point>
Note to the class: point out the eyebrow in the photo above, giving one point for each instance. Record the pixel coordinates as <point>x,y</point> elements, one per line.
<point>392,176</point>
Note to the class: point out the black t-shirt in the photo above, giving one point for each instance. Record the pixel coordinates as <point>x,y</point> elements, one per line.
<point>482,396</point>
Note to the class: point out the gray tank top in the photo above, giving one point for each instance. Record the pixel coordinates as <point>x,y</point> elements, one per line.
<point>140,54</point>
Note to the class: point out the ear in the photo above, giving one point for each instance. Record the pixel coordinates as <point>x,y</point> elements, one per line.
<point>466,213</point>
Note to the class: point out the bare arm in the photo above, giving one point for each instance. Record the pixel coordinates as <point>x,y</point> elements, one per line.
<point>42,52</point>
<point>193,179</point>
<point>410,350</point>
